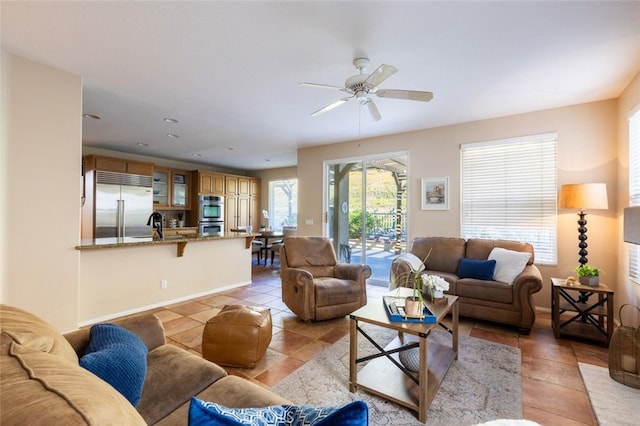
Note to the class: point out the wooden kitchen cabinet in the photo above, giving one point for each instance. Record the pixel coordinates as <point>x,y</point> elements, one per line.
<point>118,165</point>
<point>254,185</point>
<point>180,196</point>
<point>237,185</point>
<point>244,186</point>
<point>171,189</point>
<point>241,196</point>
<point>161,187</point>
<point>255,213</point>
<point>180,231</point>
<point>210,183</point>
<point>237,212</point>
<point>230,185</point>
<point>230,213</point>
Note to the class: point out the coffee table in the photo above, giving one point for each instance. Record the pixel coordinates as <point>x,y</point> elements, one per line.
<point>384,375</point>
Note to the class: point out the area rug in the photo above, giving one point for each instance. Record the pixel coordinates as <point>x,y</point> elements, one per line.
<point>613,402</point>
<point>483,384</point>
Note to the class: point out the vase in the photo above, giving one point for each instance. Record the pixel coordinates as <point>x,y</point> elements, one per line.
<point>413,306</point>
<point>438,294</point>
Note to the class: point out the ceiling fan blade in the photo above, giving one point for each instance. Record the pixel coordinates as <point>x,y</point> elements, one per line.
<point>410,95</point>
<point>330,107</point>
<point>321,86</point>
<point>373,109</point>
<point>383,72</point>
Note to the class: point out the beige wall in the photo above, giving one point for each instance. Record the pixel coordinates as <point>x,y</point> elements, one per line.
<point>42,133</point>
<point>587,152</point>
<point>120,281</point>
<point>629,101</point>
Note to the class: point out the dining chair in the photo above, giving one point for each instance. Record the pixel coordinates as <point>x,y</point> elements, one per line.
<point>274,248</point>
<point>256,246</point>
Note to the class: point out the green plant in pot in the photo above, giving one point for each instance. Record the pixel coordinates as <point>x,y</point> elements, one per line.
<point>413,305</point>
<point>588,275</point>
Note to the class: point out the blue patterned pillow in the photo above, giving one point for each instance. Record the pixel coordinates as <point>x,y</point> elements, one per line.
<point>203,413</point>
<point>118,357</point>
<point>478,269</point>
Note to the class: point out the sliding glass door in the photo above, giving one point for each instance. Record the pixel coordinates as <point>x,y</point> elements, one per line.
<point>366,211</point>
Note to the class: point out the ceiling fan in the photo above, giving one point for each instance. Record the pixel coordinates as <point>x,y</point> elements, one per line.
<point>360,86</point>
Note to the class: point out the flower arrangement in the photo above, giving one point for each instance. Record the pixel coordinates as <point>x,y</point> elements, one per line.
<point>434,284</point>
<point>265,214</point>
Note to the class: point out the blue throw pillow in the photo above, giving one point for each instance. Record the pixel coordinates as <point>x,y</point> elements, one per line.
<point>478,269</point>
<point>118,357</point>
<point>208,413</point>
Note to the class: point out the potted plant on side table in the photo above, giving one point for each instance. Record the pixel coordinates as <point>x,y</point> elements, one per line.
<point>413,278</point>
<point>588,275</point>
<point>413,304</point>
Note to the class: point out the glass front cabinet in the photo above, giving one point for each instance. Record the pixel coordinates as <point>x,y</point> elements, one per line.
<point>171,189</point>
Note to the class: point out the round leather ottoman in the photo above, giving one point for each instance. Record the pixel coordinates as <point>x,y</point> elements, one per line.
<point>238,336</point>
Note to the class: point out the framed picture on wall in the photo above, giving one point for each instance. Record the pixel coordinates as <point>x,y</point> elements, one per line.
<point>435,193</point>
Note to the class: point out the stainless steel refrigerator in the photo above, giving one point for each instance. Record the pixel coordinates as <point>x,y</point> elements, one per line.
<point>123,205</point>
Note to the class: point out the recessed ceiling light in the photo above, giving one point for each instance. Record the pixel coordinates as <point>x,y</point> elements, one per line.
<point>142,144</point>
<point>197,155</point>
<point>170,120</point>
<point>95,117</point>
<point>173,135</point>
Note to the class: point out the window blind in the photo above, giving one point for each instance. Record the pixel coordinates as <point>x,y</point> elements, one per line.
<point>509,191</point>
<point>634,188</point>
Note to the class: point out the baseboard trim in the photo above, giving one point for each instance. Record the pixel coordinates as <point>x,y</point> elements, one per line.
<point>160,304</point>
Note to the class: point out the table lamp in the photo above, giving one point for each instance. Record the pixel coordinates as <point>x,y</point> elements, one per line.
<point>583,196</point>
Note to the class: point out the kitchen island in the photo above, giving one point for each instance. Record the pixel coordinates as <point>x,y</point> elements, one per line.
<point>180,240</point>
<point>125,276</point>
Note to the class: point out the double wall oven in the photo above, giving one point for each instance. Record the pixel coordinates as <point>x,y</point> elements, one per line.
<point>210,215</point>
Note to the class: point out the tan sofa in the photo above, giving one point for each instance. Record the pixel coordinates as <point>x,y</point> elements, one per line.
<point>41,381</point>
<point>506,303</point>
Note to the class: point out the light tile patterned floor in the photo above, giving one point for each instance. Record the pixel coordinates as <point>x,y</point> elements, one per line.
<point>553,390</point>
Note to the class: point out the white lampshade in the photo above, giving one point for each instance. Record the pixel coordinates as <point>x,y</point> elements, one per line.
<point>632,225</point>
<point>584,196</point>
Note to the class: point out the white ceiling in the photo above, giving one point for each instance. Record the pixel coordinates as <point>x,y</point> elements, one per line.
<point>228,71</point>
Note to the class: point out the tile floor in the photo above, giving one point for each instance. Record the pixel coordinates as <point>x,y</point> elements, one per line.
<point>553,390</point>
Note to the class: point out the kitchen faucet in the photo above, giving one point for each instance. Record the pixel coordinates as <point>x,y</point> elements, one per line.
<point>155,220</point>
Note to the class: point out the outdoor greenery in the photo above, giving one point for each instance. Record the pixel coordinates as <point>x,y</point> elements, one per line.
<point>381,190</point>
<point>380,213</point>
<point>355,223</point>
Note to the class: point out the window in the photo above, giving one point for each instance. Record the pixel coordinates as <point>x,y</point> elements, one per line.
<point>634,188</point>
<point>509,192</point>
<point>283,203</point>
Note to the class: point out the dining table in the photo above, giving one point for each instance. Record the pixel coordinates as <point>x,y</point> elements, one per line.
<point>265,237</point>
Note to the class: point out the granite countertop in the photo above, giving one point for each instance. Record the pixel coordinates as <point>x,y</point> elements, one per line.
<point>98,243</point>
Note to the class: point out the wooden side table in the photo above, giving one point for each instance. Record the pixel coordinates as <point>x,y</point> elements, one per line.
<point>592,319</point>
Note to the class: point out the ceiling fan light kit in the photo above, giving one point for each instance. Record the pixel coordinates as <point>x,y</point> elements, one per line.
<point>361,85</point>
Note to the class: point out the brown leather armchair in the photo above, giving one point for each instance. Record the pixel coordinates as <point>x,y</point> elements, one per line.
<point>314,285</point>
